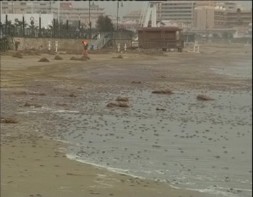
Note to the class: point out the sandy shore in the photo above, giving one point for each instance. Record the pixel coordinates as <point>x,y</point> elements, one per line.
<point>32,165</point>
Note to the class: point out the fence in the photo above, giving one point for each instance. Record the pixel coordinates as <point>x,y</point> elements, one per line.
<point>56,30</point>
<point>4,44</point>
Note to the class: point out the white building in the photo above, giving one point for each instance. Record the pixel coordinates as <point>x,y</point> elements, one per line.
<point>177,11</point>
<point>60,10</point>
<point>46,19</point>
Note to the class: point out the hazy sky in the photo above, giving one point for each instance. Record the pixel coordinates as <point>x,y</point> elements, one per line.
<point>111,6</point>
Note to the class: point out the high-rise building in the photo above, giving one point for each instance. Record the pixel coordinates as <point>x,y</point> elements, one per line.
<point>239,18</point>
<point>177,11</point>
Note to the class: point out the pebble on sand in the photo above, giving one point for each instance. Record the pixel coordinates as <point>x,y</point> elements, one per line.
<point>136,82</point>
<point>82,58</point>
<point>162,92</point>
<point>72,95</point>
<point>43,59</point>
<point>57,57</point>
<point>124,99</point>
<point>17,55</point>
<point>118,104</point>
<point>119,57</point>
<point>9,120</point>
<point>27,104</point>
<point>204,98</point>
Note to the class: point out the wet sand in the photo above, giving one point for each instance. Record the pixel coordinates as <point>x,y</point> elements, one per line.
<point>35,165</point>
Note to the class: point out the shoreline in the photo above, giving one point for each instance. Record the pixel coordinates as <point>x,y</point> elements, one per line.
<point>45,158</point>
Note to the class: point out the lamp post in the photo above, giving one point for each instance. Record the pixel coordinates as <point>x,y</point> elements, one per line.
<point>40,25</point>
<point>12,7</point>
<point>1,8</point>
<point>206,24</point>
<point>118,13</point>
<point>50,6</point>
<point>89,22</point>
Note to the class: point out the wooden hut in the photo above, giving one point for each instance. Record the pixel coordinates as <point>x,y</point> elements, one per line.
<point>165,38</point>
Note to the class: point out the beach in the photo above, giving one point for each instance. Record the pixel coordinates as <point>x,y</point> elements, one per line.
<point>65,141</point>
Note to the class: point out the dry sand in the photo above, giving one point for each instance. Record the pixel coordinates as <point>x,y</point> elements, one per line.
<point>32,165</point>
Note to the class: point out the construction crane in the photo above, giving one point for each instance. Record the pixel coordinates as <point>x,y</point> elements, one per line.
<point>150,14</point>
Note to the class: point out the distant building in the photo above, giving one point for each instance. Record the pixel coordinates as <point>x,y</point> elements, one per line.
<point>206,3</point>
<point>209,18</point>
<point>46,19</point>
<point>67,12</point>
<point>228,5</point>
<point>177,11</point>
<point>133,16</point>
<point>63,11</point>
<point>131,21</point>
<point>238,18</point>
<point>26,7</point>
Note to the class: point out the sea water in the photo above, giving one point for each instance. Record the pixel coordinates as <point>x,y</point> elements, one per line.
<point>199,145</point>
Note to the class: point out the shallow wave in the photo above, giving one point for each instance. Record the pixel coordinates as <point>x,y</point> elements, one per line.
<point>217,191</point>
<point>116,170</point>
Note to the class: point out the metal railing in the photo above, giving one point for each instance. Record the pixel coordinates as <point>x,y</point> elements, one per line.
<point>4,44</point>
<point>55,31</point>
<point>102,41</point>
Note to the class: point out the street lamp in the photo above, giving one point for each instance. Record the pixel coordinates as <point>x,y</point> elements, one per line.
<point>118,13</point>
<point>89,21</point>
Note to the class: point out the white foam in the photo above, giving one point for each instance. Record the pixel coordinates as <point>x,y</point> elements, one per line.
<point>47,109</point>
<point>217,192</point>
<point>116,170</point>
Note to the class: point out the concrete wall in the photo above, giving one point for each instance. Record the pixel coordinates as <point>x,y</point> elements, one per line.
<point>68,45</point>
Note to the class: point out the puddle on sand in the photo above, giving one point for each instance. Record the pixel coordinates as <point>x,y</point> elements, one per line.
<point>191,144</point>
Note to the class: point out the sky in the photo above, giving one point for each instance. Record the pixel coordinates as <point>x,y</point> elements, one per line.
<point>111,6</point>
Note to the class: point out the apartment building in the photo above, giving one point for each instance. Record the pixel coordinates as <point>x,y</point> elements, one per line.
<point>176,11</point>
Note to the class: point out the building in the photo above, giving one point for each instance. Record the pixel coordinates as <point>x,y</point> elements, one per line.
<point>209,18</point>
<point>206,3</point>
<point>61,10</point>
<point>228,5</point>
<point>26,7</point>
<point>133,16</point>
<point>46,19</point>
<point>238,18</point>
<point>177,11</point>
<point>84,15</point>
